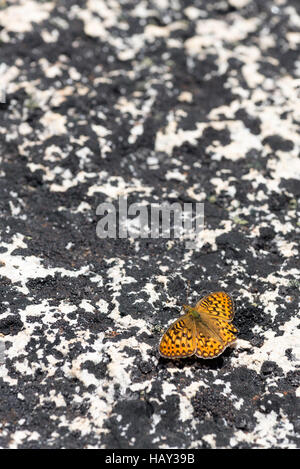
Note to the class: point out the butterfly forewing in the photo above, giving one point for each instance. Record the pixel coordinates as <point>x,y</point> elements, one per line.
<point>179,340</point>
<point>218,304</point>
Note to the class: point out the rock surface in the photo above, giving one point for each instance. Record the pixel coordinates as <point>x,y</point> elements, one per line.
<point>157,101</point>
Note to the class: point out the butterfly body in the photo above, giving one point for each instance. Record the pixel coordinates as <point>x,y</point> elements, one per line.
<point>205,330</point>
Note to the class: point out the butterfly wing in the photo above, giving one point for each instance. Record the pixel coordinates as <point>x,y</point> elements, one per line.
<point>217,304</point>
<point>208,347</point>
<point>179,341</point>
<point>226,331</point>
<point>212,345</point>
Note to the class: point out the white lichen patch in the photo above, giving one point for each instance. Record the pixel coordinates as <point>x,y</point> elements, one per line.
<point>19,18</point>
<point>19,269</point>
<point>274,348</point>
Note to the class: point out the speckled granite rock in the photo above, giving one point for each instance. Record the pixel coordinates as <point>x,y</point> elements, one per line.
<point>156,100</point>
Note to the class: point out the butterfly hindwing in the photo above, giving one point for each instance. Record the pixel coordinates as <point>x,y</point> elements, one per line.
<point>226,331</point>
<point>208,347</point>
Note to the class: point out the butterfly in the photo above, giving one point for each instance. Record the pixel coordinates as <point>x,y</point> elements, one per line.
<point>204,330</point>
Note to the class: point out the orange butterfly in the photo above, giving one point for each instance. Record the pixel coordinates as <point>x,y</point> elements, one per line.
<point>204,330</point>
